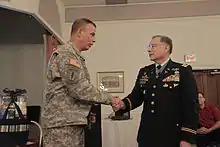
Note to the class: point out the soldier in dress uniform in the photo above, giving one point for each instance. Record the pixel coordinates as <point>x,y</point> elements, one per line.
<point>69,93</point>
<point>169,93</point>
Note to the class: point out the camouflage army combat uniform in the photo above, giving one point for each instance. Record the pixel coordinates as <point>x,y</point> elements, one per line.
<point>68,98</point>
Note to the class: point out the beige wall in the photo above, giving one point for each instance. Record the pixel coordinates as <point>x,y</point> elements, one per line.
<point>22,5</point>
<point>61,11</point>
<point>121,45</point>
<point>22,67</point>
<point>51,15</point>
<point>118,41</point>
<point>20,64</point>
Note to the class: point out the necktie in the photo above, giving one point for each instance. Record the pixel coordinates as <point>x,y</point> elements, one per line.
<point>158,70</point>
<point>158,67</point>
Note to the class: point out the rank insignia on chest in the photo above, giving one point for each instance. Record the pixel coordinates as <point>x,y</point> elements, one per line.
<point>144,79</point>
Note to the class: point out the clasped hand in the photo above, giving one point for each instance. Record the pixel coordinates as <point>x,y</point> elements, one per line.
<point>117,104</point>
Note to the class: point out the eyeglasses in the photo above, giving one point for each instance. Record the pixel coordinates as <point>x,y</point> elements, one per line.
<point>150,46</point>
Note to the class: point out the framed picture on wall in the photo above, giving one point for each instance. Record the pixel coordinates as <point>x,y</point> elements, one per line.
<point>111,81</point>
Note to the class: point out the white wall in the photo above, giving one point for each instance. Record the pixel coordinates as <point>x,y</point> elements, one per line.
<point>121,45</point>
<point>22,67</point>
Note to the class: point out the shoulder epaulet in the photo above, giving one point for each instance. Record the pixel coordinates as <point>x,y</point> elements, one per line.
<point>185,65</point>
<point>54,55</point>
<point>149,66</point>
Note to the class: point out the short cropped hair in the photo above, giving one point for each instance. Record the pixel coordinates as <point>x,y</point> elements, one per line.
<point>165,39</point>
<point>199,92</point>
<point>79,23</point>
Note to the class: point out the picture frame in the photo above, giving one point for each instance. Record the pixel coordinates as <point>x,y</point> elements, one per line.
<point>111,81</point>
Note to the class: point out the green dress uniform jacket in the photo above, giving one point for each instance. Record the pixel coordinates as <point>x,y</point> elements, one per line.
<point>170,110</point>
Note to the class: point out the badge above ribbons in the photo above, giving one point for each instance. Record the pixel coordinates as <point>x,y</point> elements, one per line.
<point>144,79</point>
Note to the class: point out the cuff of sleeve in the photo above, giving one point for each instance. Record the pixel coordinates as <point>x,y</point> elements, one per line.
<point>128,104</point>
<point>188,135</point>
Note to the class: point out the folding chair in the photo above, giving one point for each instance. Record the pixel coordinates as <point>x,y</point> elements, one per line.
<point>33,142</point>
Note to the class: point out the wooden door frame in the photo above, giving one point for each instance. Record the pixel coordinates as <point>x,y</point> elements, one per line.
<point>205,88</point>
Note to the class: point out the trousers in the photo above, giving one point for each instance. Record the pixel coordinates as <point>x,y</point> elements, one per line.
<point>67,136</point>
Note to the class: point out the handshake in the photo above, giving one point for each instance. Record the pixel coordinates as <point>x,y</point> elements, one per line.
<point>117,104</point>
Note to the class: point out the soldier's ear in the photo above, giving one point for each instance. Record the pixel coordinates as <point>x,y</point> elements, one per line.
<point>79,32</point>
<point>167,48</point>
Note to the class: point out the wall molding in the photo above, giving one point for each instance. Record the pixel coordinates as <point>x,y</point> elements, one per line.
<point>157,10</point>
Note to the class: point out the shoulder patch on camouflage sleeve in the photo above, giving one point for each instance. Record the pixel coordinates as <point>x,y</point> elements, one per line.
<point>74,62</point>
<point>185,65</point>
<point>53,55</point>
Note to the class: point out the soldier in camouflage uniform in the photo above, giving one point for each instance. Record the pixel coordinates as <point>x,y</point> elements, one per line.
<point>69,93</point>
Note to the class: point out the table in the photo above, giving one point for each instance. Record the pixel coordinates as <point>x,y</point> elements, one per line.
<point>121,133</point>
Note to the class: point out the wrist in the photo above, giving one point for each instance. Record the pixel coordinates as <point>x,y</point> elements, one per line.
<point>123,106</point>
<point>211,129</point>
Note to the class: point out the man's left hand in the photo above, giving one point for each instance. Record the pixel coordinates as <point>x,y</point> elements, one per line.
<point>203,130</point>
<point>184,144</point>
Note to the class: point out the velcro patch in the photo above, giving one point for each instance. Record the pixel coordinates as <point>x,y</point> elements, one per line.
<point>74,62</point>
